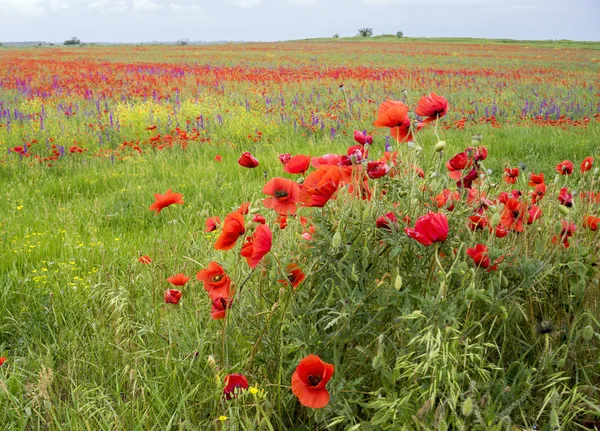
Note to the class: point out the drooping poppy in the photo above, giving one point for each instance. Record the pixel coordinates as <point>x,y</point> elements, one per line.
<point>178,279</point>
<point>163,201</point>
<point>511,175</point>
<point>234,383</point>
<point>172,296</point>
<point>285,195</point>
<point>220,304</point>
<point>587,164</point>
<point>362,138</point>
<point>387,221</point>
<point>591,222</point>
<point>391,113</point>
<point>257,246</point>
<point>284,158</point>
<point>432,107</point>
<point>480,256</point>
<point>259,219</point>
<point>565,198</point>
<point>212,223</point>
<point>309,382</point>
<point>297,165</point>
<point>294,275</point>
<point>377,169</point>
<point>467,181</point>
<point>565,167</point>
<point>429,229</point>
<point>247,160</point>
<point>233,228</point>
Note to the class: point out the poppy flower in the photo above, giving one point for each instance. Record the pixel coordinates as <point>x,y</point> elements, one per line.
<point>429,228</point>
<point>212,223</point>
<point>567,230</point>
<point>145,259</point>
<point>257,246</point>
<point>512,215</point>
<point>591,197</point>
<point>259,219</point>
<point>591,222</point>
<point>163,201</point>
<point>294,275</point>
<point>478,153</point>
<point>467,181</point>
<point>362,138</point>
<point>387,221</point>
<point>320,186</point>
<point>565,167</point>
<point>535,179</point>
<point>391,113</point>
<point>447,199</point>
<point>478,221</point>
<point>172,296</point>
<point>220,304</point>
<point>432,107</point>
<point>214,279</point>
<point>233,228</point>
<point>565,198</point>
<point>501,231</point>
<point>282,220</point>
<point>309,381</point>
<point>297,165</point>
<point>247,160</point>
<point>480,256</point>
<point>218,158</point>
<point>587,164</point>
<point>510,175</point>
<point>284,158</point>
<point>377,169</point>
<point>539,191</point>
<point>244,208</point>
<point>533,213</point>
<point>285,195</point>
<point>234,383</point>
<point>403,132</point>
<point>178,279</point>
<point>327,159</point>
<point>3,360</point>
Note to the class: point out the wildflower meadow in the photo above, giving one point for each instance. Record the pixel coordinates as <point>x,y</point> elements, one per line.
<point>320,235</point>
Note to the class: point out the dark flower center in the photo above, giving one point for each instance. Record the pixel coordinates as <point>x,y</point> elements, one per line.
<point>516,214</point>
<point>281,194</point>
<point>218,277</point>
<point>314,380</point>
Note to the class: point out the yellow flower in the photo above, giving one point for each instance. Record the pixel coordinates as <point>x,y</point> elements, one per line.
<point>253,390</point>
<point>222,418</point>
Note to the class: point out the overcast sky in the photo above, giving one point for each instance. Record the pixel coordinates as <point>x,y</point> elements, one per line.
<point>270,20</point>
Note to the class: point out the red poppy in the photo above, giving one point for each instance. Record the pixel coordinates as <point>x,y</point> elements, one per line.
<point>327,159</point>
<point>284,158</point>
<point>285,195</point>
<point>178,279</point>
<point>257,246</point>
<point>218,158</point>
<point>247,160</point>
<point>510,175</point>
<point>432,107</point>
<point>480,256</point>
<point>565,167</point>
<point>429,228</point>
<point>467,181</point>
<point>172,296</point>
<point>212,223</point>
<point>362,138</point>
<point>309,381</point>
<point>259,219</point>
<point>533,213</point>
<point>244,208</point>
<point>447,199</point>
<point>587,164</point>
<point>3,360</point>
<point>536,179</point>
<point>513,214</point>
<point>565,198</point>
<point>501,231</point>
<point>591,222</point>
<point>478,221</point>
<point>220,304</point>
<point>478,153</point>
<point>320,186</point>
<point>567,230</point>
<point>282,220</point>
<point>377,169</point>
<point>233,228</point>
<point>297,165</point>
<point>294,275</point>
<point>145,259</point>
<point>234,383</point>
<point>391,113</point>
<point>591,197</point>
<point>539,191</point>
<point>163,201</point>
<point>215,281</point>
<point>403,133</point>
<point>387,221</point>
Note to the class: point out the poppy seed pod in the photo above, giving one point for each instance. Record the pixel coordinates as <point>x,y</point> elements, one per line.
<point>439,146</point>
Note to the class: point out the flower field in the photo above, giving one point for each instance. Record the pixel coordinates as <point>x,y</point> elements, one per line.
<point>300,235</point>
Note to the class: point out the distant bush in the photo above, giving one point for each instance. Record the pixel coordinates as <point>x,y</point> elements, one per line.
<point>399,34</point>
<point>365,32</point>
<point>183,42</point>
<point>335,36</point>
<point>72,41</point>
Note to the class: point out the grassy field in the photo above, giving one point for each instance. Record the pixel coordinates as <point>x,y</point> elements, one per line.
<point>421,337</point>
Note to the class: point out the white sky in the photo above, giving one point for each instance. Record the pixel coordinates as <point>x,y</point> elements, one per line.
<point>270,20</point>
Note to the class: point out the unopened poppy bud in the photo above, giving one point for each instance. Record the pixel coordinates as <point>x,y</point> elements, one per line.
<point>561,362</point>
<point>470,293</point>
<point>588,333</point>
<point>353,274</point>
<point>434,174</point>
<point>254,210</point>
<point>405,93</point>
<point>596,171</point>
<point>493,209</point>
<point>504,281</point>
<point>204,213</point>
<point>381,283</point>
<point>478,137</point>
<point>495,220</point>
<point>504,312</point>
<point>467,407</point>
<point>377,361</point>
<point>410,144</point>
<point>556,179</point>
<point>300,181</point>
<point>474,142</point>
<point>563,210</point>
<point>439,146</point>
<point>336,241</point>
<point>398,283</point>
<point>212,363</point>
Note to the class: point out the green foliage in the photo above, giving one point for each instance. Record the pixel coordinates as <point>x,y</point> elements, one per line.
<point>365,32</point>
<point>399,34</point>
<point>72,41</point>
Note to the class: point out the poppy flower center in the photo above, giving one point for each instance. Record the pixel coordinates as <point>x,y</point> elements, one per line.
<point>314,380</point>
<point>281,194</point>
<point>217,277</point>
<point>516,213</point>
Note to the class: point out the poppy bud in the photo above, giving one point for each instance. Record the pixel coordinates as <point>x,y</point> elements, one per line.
<point>596,171</point>
<point>556,179</point>
<point>563,210</point>
<point>477,138</point>
<point>204,213</point>
<point>504,281</point>
<point>404,93</point>
<point>495,220</point>
<point>212,363</point>
<point>504,313</point>
<point>353,274</point>
<point>254,210</point>
<point>439,146</point>
<point>377,361</point>
<point>467,407</point>
<point>588,333</point>
<point>561,362</point>
<point>554,422</point>
<point>336,241</point>
<point>398,283</point>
